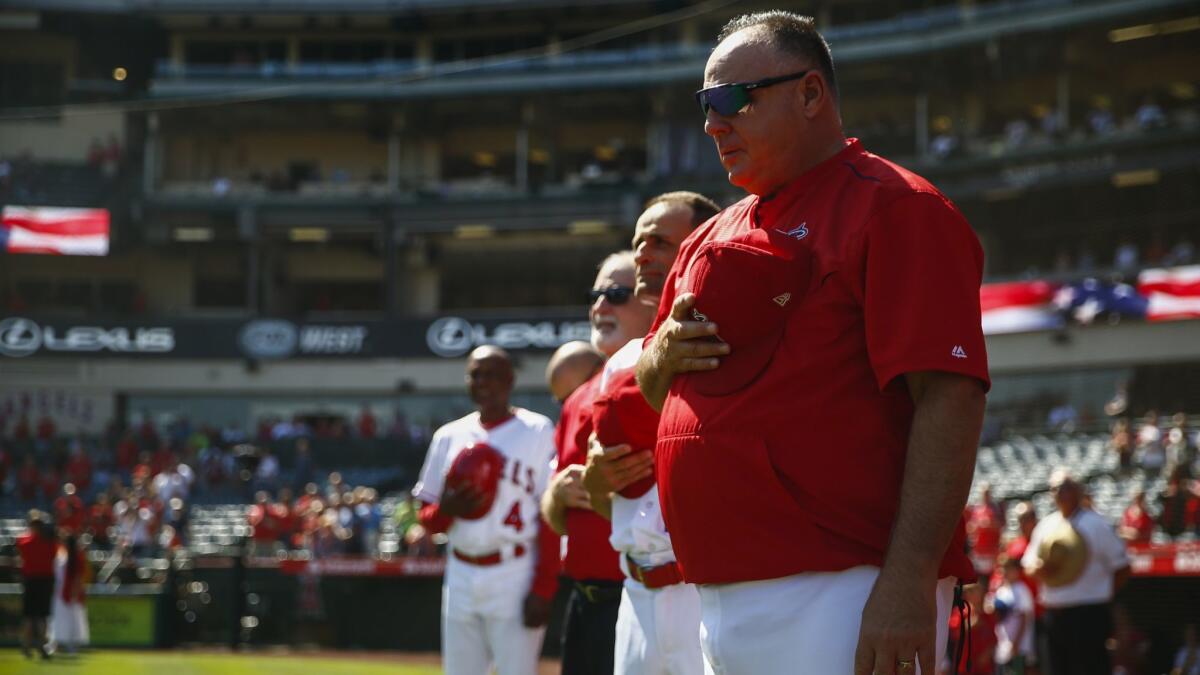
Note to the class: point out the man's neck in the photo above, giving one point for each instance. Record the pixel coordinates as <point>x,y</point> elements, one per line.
<point>495,415</point>
<point>819,155</point>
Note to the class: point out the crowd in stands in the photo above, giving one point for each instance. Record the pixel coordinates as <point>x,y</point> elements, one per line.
<point>26,179</point>
<point>1007,603</point>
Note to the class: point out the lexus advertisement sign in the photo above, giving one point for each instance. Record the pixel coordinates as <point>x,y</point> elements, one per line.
<point>267,339</point>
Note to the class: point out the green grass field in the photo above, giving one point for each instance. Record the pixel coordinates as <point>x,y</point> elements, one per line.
<point>201,663</point>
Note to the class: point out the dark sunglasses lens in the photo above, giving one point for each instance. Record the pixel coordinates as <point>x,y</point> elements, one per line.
<point>617,295</point>
<point>725,100</point>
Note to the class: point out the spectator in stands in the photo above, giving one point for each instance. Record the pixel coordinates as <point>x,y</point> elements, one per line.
<point>285,517</point>
<point>51,483</point>
<point>1179,505</point>
<point>1063,417</point>
<point>368,513</point>
<point>1152,455</point>
<point>28,480</point>
<point>99,521</point>
<point>1181,446</point>
<point>1182,253</point>
<point>303,470</point>
<point>1150,115</point>
<point>1136,524</point>
<point>266,476</point>
<point>69,512</point>
<point>1100,119</point>
<point>1016,133</point>
<point>985,522</point>
<point>175,516</point>
<point>79,468</point>
<point>367,426</point>
<point>1080,563</point>
<point>1014,612</point>
<point>46,431</point>
<point>175,480</point>
<point>1125,259</point>
<point>232,434</point>
<point>1121,442</point>
<point>216,465</point>
<point>37,546</point>
<point>126,455</point>
<point>264,525</point>
<point>1187,659</point>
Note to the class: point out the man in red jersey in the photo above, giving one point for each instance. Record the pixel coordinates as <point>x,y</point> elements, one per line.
<point>658,625</point>
<point>819,363</point>
<point>37,547</point>
<point>589,630</point>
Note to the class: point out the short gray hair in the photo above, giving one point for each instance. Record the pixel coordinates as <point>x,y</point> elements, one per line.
<point>791,33</point>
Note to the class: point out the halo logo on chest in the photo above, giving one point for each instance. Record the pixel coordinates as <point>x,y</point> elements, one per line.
<point>799,232</point>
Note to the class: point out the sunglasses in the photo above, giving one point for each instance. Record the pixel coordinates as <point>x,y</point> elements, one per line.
<point>617,295</point>
<point>729,99</point>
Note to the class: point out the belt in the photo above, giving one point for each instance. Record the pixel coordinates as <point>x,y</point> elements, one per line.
<point>599,591</point>
<point>658,576</point>
<point>488,559</point>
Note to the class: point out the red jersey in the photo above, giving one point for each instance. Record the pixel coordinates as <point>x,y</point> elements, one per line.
<point>28,480</point>
<point>127,452</point>
<point>37,555</point>
<point>266,527</point>
<point>622,415</point>
<point>79,471</point>
<point>100,518</point>
<point>1138,520</point>
<point>69,513</point>
<point>983,530</point>
<point>812,450</point>
<point>589,555</point>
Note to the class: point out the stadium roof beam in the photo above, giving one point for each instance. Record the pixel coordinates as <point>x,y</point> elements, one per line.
<point>853,44</point>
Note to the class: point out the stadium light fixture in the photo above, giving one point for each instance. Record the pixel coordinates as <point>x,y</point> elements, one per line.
<point>119,74</point>
<point>1128,33</point>
<point>1126,179</point>
<point>474,231</point>
<point>309,234</point>
<point>193,234</point>
<point>1145,30</point>
<point>587,227</point>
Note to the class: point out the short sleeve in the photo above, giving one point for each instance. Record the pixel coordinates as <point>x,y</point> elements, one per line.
<point>549,452</point>
<point>1030,559</point>
<point>433,474</point>
<point>1111,546</point>
<point>923,267</point>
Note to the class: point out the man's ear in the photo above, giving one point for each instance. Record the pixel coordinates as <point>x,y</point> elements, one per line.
<point>813,92</point>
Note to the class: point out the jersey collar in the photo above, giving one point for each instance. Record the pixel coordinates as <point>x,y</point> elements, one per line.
<point>768,209</point>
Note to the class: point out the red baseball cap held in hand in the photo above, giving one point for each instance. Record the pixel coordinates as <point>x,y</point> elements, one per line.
<point>748,286</point>
<point>621,415</point>
<point>478,466</point>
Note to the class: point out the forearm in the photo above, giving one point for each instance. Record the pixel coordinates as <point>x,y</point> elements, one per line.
<point>601,503</point>
<point>652,377</point>
<point>947,420</point>
<point>554,512</point>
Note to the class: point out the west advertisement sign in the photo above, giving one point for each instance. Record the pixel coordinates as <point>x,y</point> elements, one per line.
<point>272,339</point>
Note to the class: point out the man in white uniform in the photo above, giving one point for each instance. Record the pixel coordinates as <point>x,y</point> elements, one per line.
<point>501,573</point>
<point>658,624</point>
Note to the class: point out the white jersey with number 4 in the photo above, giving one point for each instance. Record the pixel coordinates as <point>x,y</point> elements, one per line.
<point>527,442</point>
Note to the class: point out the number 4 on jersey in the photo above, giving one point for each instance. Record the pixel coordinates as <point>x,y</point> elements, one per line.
<point>513,519</point>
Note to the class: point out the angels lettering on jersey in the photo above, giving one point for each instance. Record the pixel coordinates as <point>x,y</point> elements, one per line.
<point>526,440</point>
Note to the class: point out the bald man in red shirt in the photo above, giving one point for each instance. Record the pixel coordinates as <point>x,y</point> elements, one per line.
<point>819,362</point>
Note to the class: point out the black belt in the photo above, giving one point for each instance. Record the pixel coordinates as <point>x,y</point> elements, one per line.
<point>598,592</point>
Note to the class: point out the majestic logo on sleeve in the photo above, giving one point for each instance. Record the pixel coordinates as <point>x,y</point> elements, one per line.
<point>958,352</point>
<point>799,232</point>
<point>782,300</point>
